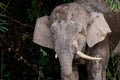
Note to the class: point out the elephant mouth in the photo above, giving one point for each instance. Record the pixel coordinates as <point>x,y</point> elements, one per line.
<point>82,55</point>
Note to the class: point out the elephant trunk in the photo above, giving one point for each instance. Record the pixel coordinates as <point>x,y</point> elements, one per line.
<point>66,65</point>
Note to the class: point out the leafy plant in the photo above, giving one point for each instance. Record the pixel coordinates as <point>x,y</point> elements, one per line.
<point>2,23</point>
<point>114,4</point>
<point>2,5</point>
<point>4,75</point>
<point>112,70</point>
<point>36,10</point>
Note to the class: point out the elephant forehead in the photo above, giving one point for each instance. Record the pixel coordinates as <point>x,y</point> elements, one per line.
<point>61,29</point>
<point>60,12</point>
<point>72,12</point>
<point>69,19</point>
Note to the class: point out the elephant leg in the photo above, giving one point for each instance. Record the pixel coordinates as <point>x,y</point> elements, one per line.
<point>96,69</point>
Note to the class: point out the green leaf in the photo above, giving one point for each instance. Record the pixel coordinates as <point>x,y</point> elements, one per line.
<point>43,52</point>
<point>41,73</point>
<point>23,38</point>
<point>113,5</point>
<point>44,60</point>
<point>49,78</point>
<point>6,75</point>
<point>108,73</point>
<point>2,15</point>
<point>3,28</point>
<point>2,21</point>
<point>2,5</point>
<point>35,2</point>
<point>3,24</point>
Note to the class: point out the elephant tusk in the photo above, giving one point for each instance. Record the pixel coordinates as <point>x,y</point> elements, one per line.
<point>56,56</point>
<point>82,55</point>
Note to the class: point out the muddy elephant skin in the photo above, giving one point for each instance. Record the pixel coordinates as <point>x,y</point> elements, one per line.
<point>73,26</point>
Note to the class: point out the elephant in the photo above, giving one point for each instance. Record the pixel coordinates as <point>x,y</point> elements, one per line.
<point>77,28</point>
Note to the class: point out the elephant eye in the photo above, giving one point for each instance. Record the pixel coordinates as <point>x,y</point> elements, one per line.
<point>82,32</point>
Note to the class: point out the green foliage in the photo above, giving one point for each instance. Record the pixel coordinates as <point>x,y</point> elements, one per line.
<point>114,5</point>
<point>2,23</point>
<point>4,76</point>
<point>36,10</point>
<point>46,63</point>
<point>2,5</point>
<point>112,69</point>
<point>43,52</point>
<point>32,13</point>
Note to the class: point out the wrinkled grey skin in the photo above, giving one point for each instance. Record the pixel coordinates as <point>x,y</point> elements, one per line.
<point>68,24</point>
<point>113,19</point>
<point>65,33</point>
<point>65,48</point>
<point>96,70</point>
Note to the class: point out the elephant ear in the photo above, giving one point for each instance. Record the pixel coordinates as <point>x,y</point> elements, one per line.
<point>42,34</point>
<point>97,29</point>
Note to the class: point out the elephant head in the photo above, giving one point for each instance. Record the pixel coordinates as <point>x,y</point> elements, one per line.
<point>67,30</point>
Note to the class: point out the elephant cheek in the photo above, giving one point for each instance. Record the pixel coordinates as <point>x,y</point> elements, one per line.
<point>66,64</point>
